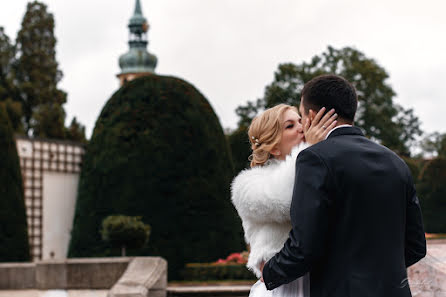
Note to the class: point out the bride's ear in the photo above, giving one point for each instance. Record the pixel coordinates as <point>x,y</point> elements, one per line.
<point>275,152</point>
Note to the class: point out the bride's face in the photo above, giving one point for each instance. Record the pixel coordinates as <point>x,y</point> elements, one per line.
<point>292,134</point>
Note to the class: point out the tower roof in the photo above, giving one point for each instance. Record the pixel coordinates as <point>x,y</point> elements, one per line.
<point>137,59</point>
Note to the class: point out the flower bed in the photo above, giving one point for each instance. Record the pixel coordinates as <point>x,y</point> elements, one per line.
<point>231,268</point>
<point>435,235</point>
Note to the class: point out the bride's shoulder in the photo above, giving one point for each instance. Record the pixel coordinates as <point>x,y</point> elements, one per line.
<point>273,173</point>
<point>251,175</point>
<point>271,167</point>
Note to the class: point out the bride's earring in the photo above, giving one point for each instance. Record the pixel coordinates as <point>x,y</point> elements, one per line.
<point>275,152</point>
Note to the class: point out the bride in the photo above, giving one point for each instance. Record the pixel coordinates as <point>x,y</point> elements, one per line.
<point>262,194</point>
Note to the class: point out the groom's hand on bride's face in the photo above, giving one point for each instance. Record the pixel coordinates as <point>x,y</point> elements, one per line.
<point>317,126</point>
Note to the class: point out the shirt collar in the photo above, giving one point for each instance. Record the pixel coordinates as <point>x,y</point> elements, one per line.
<point>340,126</point>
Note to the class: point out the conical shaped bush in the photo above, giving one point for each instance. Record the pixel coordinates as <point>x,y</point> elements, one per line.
<point>158,151</point>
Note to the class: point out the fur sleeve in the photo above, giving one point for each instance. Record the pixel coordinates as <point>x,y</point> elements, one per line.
<point>263,194</point>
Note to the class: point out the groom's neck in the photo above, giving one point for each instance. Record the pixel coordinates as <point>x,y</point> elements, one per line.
<point>341,121</point>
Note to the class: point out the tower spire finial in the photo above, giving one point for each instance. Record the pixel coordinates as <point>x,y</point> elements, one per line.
<point>138,9</point>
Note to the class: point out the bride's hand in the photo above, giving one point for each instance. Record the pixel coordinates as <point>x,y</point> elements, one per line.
<point>316,130</point>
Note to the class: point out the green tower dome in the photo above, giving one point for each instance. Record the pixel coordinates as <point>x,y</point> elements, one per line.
<point>137,60</point>
<point>158,151</point>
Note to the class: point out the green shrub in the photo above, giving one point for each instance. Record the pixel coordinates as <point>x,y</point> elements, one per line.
<point>431,190</point>
<point>158,151</point>
<point>14,245</point>
<point>210,271</point>
<point>125,231</point>
<point>415,166</point>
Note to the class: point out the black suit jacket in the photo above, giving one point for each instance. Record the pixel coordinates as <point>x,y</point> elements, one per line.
<point>356,221</point>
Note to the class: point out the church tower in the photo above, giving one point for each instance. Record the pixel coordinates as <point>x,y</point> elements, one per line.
<point>137,61</point>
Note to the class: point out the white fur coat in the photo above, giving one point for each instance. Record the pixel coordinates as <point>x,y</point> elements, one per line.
<point>262,196</point>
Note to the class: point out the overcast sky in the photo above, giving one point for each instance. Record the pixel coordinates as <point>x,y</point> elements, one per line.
<point>230,49</point>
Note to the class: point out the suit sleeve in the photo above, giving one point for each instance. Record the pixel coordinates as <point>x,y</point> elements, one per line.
<point>310,215</point>
<point>415,245</point>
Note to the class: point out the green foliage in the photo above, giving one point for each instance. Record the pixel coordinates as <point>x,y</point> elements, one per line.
<point>158,151</point>
<point>435,143</point>
<point>76,132</point>
<point>14,245</point>
<point>14,111</point>
<point>8,92</point>
<point>37,74</point>
<point>208,271</point>
<point>415,166</point>
<point>240,148</point>
<point>431,191</point>
<point>29,76</point>
<point>380,118</point>
<point>125,231</point>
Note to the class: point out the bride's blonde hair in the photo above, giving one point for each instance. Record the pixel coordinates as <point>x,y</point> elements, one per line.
<point>265,132</point>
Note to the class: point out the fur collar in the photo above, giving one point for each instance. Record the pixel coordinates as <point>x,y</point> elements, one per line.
<point>263,193</point>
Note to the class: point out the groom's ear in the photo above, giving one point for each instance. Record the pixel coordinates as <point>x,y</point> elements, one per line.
<point>311,114</point>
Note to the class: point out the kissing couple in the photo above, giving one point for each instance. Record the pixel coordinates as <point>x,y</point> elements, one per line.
<point>326,211</point>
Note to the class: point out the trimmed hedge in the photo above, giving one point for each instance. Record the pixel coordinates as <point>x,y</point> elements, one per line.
<point>431,190</point>
<point>14,246</point>
<point>158,151</point>
<point>415,166</point>
<point>208,271</point>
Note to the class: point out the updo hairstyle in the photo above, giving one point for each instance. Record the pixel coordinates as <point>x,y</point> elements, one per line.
<point>265,132</point>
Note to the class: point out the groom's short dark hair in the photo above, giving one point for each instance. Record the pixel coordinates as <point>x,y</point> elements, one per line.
<point>330,91</point>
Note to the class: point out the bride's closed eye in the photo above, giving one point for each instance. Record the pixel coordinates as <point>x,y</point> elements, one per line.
<point>289,126</point>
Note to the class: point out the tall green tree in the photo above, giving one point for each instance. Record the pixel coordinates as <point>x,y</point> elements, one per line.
<point>29,76</point>
<point>37,74</point>
<point>378,115</point>
<point>8,92</point>
<point>13,227</point>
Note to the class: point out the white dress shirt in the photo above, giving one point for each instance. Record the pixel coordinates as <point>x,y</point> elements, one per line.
<point>340,126</point>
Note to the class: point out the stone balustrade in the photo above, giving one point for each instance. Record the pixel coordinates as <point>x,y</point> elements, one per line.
<point>127,277</point>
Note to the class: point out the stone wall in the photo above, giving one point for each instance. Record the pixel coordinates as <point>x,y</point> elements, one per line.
<point>17,276</point>
<point>92,273</point>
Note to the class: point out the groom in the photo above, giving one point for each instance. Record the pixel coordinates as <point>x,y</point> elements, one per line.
<point>356,218</point>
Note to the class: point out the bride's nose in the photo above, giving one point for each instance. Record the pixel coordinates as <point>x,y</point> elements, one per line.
<point>300,128</point>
